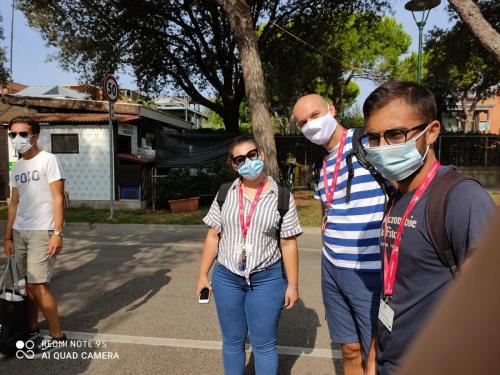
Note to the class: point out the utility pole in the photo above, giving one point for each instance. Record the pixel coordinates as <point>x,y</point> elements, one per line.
<point>423,6</point>
<point>11,43</point>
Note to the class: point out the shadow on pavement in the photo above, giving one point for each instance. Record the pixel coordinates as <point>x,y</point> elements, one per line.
<point>93,281</point>
<point>104,304</point>
<point>298,328</point>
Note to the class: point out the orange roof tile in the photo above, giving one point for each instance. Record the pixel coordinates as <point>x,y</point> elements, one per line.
<point>82,117</point>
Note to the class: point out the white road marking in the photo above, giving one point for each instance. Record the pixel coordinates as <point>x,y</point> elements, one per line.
<point>196,246</point>
<point>194,344</point>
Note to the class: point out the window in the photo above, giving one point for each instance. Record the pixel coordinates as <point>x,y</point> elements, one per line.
<point>124,144</point>
<point>65,143</point>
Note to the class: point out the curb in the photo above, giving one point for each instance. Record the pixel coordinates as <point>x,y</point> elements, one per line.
<point>169,227</point>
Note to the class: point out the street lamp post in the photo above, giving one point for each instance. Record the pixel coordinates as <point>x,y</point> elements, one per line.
<point>425,7</point>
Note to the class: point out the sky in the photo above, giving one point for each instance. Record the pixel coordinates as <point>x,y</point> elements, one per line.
<point>32,64</point>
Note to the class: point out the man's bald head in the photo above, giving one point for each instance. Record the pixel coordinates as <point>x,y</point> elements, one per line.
<point>309,107</point>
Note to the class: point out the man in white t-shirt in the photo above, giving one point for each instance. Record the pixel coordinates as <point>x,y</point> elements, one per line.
<point>34,226</point>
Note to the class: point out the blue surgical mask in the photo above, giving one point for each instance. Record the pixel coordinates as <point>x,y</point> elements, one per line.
<point>251,168</point>
<point>399,161</point>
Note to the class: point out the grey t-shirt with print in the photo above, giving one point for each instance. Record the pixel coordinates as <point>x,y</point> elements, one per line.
<point>421,277</point>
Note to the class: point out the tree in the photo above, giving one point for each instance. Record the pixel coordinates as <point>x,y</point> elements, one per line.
<point>406,68</point>
<point>241,21</point>
<point>334,48</point>
<point>470,13</point>
<point>184,45</point>
<point>189,44</point>
<point>4,74</point>
<point>459,70</point>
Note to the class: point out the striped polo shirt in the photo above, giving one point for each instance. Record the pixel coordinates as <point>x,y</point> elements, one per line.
<point>262,233</point>
<point>351,238</point>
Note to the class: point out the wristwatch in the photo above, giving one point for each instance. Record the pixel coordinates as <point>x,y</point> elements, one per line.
<point>58,233</point>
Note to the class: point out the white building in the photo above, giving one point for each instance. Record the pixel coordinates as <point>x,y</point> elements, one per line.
<point>181,107</point>
<point>77,131</point>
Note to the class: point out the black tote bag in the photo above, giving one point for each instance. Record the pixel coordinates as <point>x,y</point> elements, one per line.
<point>14,324</point>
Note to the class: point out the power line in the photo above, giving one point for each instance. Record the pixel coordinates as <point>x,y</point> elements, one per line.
<point>363,71</point>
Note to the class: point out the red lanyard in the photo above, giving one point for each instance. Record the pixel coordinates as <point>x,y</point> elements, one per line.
<point>329,193</point>
<point>245,225</point>
<point>391,268</point>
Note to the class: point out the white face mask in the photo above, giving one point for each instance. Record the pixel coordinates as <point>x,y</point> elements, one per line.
<point>21,145</point>
<point>320,130</point>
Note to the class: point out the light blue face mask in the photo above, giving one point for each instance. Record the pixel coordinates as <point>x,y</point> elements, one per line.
<point>399,161</point>
<point>251,168</point>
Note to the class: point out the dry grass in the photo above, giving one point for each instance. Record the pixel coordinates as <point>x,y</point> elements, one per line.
<point>309,209</point>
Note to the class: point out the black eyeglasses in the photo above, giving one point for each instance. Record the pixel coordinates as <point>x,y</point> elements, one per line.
<point>391,136</point>
<point>13,135</point>
<point>240,159</point>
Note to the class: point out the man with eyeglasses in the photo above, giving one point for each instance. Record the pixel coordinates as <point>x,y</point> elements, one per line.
<point>350,262</point>
<point>34,227</point>
<point>401,129</point>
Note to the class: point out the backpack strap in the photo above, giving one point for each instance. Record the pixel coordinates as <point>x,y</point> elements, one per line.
<point>283,203</point>
<point>360,153</point>
<point>435,216</point>
<point>222,194</point>
<point>350,176</point>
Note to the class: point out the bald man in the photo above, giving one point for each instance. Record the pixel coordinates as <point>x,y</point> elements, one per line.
<point>350,264</point>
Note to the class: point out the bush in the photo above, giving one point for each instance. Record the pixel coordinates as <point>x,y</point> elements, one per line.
<point>179,183</point>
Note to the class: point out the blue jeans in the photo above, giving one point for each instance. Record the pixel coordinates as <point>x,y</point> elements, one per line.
<point>253,308</point>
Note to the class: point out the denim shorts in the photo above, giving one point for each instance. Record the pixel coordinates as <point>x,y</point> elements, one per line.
<point>351,300</point>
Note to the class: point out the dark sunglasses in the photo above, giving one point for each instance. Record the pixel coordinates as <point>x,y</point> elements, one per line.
<point>391,136</point>
<point>240,159</point>
<point>13,135</point>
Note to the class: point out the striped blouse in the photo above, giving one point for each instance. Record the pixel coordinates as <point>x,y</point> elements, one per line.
<point>263,231</point>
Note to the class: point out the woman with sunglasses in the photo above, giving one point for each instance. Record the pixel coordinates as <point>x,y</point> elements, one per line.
<point>256,273</point>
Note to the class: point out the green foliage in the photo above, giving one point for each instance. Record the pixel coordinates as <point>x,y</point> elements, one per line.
<point>4,74</point>
<point>458,66</point>
<point>406,68</point>
<point>146,101</point>
<point>346,46</point>
<point>352,118</point>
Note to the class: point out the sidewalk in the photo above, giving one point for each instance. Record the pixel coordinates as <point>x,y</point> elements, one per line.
<point>131,288</point>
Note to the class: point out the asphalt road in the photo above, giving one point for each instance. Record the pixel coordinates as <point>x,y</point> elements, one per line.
<point>126,292</point>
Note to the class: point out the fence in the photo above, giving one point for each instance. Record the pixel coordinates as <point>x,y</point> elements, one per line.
<point>469,150</point>
<point>304,151</point>
<point>459,150</point>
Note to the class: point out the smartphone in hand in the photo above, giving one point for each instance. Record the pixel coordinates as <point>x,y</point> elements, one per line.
<point>204,296</point>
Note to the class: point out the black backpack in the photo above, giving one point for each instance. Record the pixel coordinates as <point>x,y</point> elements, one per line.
<point>283,199</point>
<point>435,215</point>
<point>359,152</point>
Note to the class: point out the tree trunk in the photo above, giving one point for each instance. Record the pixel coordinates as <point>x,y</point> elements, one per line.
<point>471,15</point>
<point>242,27</point>
<point>231,117</point>
<point>469,121</point>
<point>467,116</point>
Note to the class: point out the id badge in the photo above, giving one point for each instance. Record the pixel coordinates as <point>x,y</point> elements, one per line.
<point>386,314</point>
<point>245,250</point>
<point>248,248</point>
